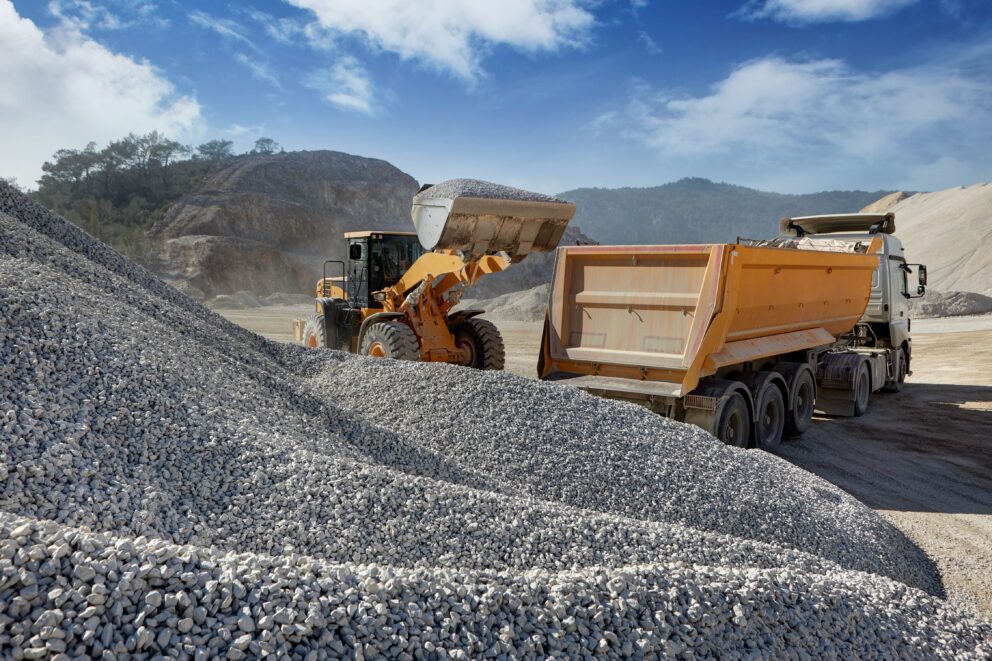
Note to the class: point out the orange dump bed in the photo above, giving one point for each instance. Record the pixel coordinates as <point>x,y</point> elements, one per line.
<point>655,319</point>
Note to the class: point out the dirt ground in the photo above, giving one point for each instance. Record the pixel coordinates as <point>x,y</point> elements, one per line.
<point>922,458</point>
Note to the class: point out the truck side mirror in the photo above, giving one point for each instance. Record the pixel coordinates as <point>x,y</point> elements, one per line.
<point>921,280</point>
<point>355,251</point>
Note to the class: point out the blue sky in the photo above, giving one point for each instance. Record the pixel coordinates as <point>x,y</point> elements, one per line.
<point>784,95</point>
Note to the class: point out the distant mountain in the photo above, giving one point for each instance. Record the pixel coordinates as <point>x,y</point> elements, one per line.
<point>695,210</point>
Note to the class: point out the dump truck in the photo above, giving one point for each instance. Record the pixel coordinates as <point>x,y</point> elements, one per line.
<point>745,340</point>
<point>395,295</point>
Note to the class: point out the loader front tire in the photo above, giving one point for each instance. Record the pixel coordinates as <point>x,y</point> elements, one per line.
<point>481,340</point>
<point>390,339</point>
<point>314,332</point>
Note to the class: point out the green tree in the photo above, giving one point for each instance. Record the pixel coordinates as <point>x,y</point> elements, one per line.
<point>215,150</point>
<point>118,192</point>
<point>265,146</point>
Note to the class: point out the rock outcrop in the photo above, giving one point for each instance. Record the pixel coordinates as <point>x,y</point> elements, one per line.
<point>266,223</point>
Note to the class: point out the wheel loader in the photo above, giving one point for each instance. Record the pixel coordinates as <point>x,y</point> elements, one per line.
<point>395,295</point>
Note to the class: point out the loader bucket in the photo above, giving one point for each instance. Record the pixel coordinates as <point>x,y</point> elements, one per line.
<point>479,226</point>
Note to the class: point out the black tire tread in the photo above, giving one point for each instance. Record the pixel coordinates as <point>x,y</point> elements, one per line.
<point>399,339</point>
<point>487,338</point>
<point>770,389</point>
<point>858,410</point>
<point>794,427</point>
<point>736,401</point>
<point>897,385</point>
<point>315,326</point>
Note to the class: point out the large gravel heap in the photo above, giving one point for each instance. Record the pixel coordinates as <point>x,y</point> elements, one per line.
<point>172,484</point>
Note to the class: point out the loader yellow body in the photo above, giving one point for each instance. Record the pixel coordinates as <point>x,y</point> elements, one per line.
<point>404,308</point>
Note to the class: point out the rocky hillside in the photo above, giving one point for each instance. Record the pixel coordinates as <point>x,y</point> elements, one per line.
<point>951,232</point>
<point>698,211</point>
<point>266,223</point>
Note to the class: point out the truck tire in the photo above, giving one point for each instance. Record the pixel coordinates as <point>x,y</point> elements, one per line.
<point>769,413</point>
<point>314,332</point>
<point>862,390</point>
<point>902,368</point>
<point>734,425</point>
<point>800,413</point>
<point>390,339</point>
<point>483,342</point>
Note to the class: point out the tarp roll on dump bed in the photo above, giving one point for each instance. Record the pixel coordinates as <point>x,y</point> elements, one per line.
<point>674,314</point>
<point>453,217</point>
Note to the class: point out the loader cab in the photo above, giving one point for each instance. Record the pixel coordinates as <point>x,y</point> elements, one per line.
<point>377,260</point>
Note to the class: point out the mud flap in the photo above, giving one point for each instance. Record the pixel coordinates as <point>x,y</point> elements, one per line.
<point>834,401</point>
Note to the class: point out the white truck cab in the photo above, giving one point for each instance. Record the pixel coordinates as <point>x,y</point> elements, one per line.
<point>884,329</point>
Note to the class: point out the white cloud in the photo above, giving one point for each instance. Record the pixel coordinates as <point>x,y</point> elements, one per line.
<point>258,69</point>
<point>453,35</point>
<point>347,86</point>
<point>224,27</point>
<point>62,89</point>
<point>825,120</point>
<point>290,30</point>
<point>87,15</point>
<point>821,11</point>
<point>650,45</point>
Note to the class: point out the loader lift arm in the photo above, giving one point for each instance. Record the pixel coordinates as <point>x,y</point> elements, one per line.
<point>427,292</point>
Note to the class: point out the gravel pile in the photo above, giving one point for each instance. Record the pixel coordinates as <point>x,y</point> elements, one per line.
<point>936,304</point>
<point>528,305</point>
<point>172,484</point>
<point>478,188</point>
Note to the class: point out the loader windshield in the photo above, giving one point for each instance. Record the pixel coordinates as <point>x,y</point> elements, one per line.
<point>391,256</point>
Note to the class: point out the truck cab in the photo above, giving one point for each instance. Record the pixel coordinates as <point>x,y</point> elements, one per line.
<point>886,323</point>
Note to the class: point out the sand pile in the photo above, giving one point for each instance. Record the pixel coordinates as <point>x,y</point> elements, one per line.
<point>171,484</point>
<point>951,232</point>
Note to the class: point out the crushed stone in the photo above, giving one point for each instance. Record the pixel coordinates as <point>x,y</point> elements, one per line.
<point>171,484</point>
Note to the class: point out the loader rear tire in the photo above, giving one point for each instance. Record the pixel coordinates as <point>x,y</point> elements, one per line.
<point>482,341</point>
<point>390,339</point>
<point>314,333</point>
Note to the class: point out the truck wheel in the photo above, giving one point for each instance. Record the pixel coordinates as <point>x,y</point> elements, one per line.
<point>897,384</point>
<point>314,333</point>
<point>862,390</point>
<point>734,426</point>
<point>390,339</point>
<point>769,411</point>
<point>481,340</point>
<point>800,413</point>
